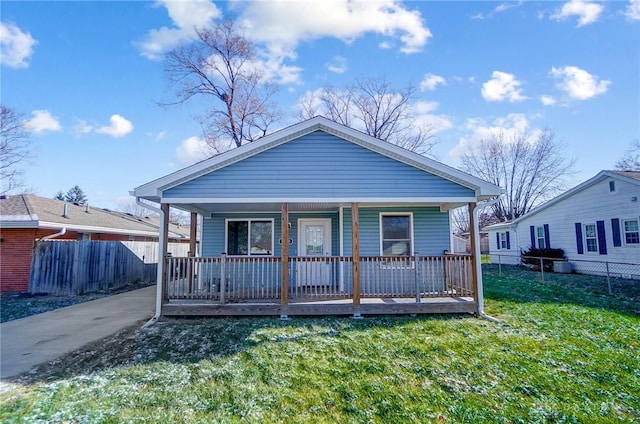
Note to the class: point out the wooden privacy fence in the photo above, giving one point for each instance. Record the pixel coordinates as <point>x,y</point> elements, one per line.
<point>76,267</point>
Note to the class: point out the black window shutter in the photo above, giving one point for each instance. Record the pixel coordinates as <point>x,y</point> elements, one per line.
<point>547,240</point>
<point>498,240</point>
<point>508,241</point>
<point>615,230</point>
<point>532,231</point>
<point>579,244</point>
<point>602,238</point>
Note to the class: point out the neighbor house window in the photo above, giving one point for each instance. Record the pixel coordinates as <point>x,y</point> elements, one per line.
<point>540,237</point>
<point>631,231</point>
<point>503,241</point>
<point>249,237</point>
<point>590,237</point>
<point>612,186</point>
<point>396,234</point>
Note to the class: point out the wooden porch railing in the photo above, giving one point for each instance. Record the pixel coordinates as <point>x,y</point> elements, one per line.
<point>250,279</point>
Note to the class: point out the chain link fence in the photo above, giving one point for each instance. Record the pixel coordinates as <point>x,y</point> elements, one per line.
<point>617,278</point>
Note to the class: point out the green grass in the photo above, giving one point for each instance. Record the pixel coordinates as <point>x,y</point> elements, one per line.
<point>559,354</point>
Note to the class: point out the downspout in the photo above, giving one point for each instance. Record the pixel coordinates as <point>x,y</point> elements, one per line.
<point>477,259</point>
<point>161,255</point>
<point>62,232</point>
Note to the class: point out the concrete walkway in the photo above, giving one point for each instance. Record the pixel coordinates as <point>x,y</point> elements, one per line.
<point>33,340</point>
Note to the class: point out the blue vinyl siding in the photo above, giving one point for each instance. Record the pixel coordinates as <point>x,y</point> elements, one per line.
<point>430,230</point>
<point>318,165</point>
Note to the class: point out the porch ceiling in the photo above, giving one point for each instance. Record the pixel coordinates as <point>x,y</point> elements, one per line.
<point>273,207</point>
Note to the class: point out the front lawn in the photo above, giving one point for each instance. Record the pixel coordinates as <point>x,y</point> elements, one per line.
<point>559,354</point>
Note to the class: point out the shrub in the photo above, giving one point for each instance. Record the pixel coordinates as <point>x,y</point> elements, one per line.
<point>531,257</point>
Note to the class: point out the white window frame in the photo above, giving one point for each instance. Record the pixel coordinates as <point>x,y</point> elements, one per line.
<point>543,238</point>
<point>503,241</point>
<point>249,220</point>
<point>411,234</point>
<point>595,237</point>
<point>624,231</point>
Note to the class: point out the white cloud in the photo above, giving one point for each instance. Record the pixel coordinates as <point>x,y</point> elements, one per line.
<point>338,65</point>
<point>15,46</point>
<point>192,150</point>
<point>279,27</point>
<point>478,129</point>
<point>425,119</point>
<point>548,100</point>
<point>42,121</point>
<point>431,81</point>
<point>578,83</point>
<point>186,17</point>
<point>118,127</point>
<point>502,7</point>
<point>633,10</point>
<point>587,12</point>
<point>502,86</point>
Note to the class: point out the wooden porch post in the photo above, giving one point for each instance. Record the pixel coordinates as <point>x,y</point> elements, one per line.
<point>284,294</point>
<point>472,241</point>
<point>164,244</point>
<point>355,248</point>
<point>193,224</point>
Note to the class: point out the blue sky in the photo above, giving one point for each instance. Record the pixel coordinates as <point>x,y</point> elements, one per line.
<point>88,76</point>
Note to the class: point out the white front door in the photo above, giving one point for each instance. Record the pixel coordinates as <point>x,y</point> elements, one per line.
<point>314,240</point>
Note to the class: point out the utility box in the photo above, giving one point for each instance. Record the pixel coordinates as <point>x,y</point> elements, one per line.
<point>562,267</point>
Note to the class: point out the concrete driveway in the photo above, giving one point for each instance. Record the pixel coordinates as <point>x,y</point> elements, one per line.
<point>30,341</point>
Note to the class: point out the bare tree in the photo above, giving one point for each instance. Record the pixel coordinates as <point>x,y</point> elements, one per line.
<point>531,169</point>
<point>220,64</point>
<point>15,148</point>
<point>630,160</point>
<point>373,106</point>
<point>460,220</point>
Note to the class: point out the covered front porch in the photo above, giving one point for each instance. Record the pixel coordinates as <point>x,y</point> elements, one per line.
<point>312,274</point>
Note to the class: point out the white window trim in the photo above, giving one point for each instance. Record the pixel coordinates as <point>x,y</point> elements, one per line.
<point>543,238</point>
<point>586,249</point>
<point>226,236</point>
<point>382,214</point>
<point>411,253</point>
<point>503,237</point>
<point>624,233</point>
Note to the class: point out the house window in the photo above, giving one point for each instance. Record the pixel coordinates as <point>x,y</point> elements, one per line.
<point>631,231</point>
<point>612,186</point>
<point>249,237</point>
<point>590,237</point>
<point>396,234</point>
<point>540,237</point>
<point>503,241</point>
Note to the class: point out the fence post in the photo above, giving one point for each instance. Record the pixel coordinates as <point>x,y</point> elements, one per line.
<point>415,275</point>
<point>500,265</point>
<point>223,277</point>
<point>608,277</point>
<point>542,269</point>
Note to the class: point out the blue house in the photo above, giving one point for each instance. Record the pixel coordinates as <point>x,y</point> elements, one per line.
<point>318,218</point>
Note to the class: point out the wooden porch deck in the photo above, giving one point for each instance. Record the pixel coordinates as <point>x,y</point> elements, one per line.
<point>368,306</point>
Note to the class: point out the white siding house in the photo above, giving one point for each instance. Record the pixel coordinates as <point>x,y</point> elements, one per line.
<point>596,221</point>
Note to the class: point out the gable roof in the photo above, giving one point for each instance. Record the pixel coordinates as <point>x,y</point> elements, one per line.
<point>153,190</point>
<point>627,176</point>
<point>29,211</point>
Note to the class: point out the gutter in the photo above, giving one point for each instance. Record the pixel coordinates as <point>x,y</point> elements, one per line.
<point>477,259</point>
<point>161,255</point>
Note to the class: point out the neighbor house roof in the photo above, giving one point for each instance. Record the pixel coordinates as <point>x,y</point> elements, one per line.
<point>153,190</point>
<point>628,176</point>
<point>29,211</point>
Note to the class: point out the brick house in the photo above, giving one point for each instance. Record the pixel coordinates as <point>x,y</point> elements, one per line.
<point>25,219</point>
